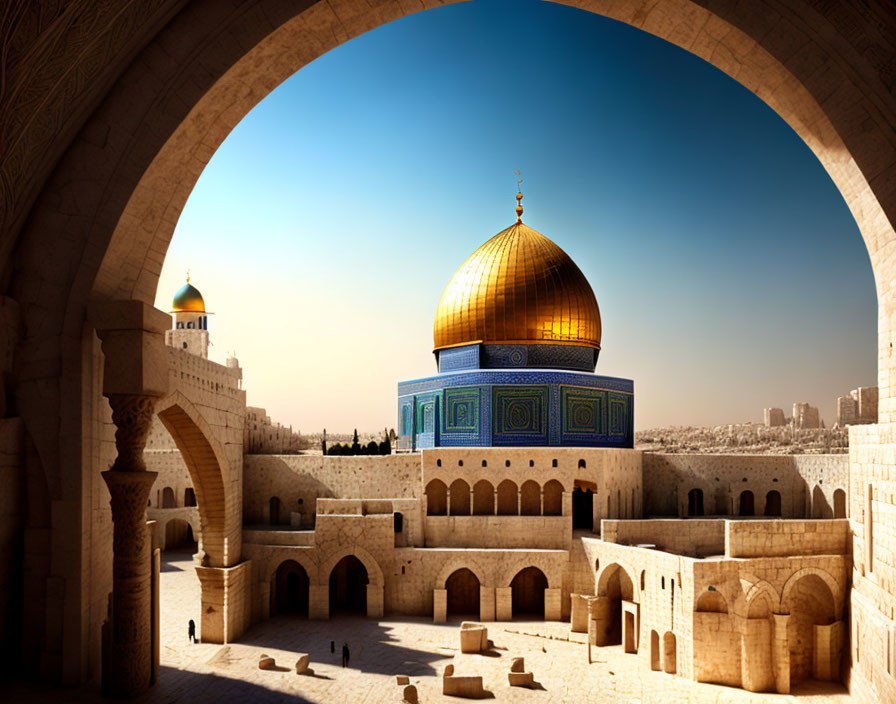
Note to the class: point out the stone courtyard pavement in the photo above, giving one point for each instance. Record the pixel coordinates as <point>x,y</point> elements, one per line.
<point>194,674</point>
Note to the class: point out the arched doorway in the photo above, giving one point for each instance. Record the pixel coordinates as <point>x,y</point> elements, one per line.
<point>508,498</point>
<point>436,498</point>
<point>670,664</point>
<point>616,586</point>
<point>839,504</point>
<point>274,511</point>
<point>179,535</point>
<point>811,604</point>
<point>695,502</point>
<point>459,493</point>
<point>583,505</point>
<point>483,498</point>
<point>773,503</point>
<point>746,507</point>
<point>348,586</point>
<point>820,506</point>
<point>654,651</point>
<point>530,498</point>
<point>527,593</point>
<point>168,500</point>
<point>553,498</point>
<point>291,589</point>
<point>463,593</point>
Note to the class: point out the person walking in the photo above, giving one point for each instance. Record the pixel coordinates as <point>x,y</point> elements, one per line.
<point>345,654</point>
<point>191,631</point>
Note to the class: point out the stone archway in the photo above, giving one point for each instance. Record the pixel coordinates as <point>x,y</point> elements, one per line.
<point>220,512</point>
<point>103,164</point>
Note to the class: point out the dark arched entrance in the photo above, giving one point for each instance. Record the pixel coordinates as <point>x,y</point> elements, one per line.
<point>583,508</point>
<point>695,502</point>
<point>348,586</point>
<point>746,504</point>
<point>527,592</point>
<point>773,503</point>
<point>463,593</point>
<point>291,587</point>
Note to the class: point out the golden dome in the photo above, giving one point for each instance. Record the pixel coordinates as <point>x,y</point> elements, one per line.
<point>518,288</point>
<point>188,300</point>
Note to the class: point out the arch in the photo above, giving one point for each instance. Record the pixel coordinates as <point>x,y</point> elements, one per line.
<point>459,497</point>
<point>759,592</point>
<point>178,534</point>
<point>527,592</point>
<point>374,571</point>
<point>655,651</point>
<point>553,498</point>
<point>670,663</point>
<point>508,498</point>
<point>436,498</point>
<point>189,497</point>
<point>220,511</point>
<point>168,500</point>
<point>290,589</point>
<point>773,503</point>
<point>614,583</point>
<point>274,511</point>
<point>810,602</point>
<point>839,503</point>
<point>746,506</point>
<point>483,498</point>
<point>820,506</point>
<point>348,586</point>
<point>459,563</point>
<point>118,222</point>
<point>463,593</point>
<point>695,502</point>
<point>833,586</point>
<point>530,498</point>
<point>711,601</point>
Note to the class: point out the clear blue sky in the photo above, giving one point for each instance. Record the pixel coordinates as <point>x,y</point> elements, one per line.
<point>729,272</point>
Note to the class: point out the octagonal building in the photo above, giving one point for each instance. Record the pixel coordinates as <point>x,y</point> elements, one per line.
<point>516,337</point>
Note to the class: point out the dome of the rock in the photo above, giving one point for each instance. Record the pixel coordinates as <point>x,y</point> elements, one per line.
<point>518,288</point>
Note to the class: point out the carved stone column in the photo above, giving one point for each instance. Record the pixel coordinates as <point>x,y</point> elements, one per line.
<point>128,671</point>
<point>135,375</point>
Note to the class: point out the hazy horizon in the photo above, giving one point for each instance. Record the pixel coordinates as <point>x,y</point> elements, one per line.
<point>729,272</point>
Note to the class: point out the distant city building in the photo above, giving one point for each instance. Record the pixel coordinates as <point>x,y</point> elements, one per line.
<point>805,416</point>
<point>773,417</point>
<point>265,437</point>
<point>859,407</point>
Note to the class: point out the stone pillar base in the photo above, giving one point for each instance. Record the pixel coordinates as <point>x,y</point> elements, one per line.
<point>225,602</point>
<point>439,605</point>
<point>486,603</point>
<point>503,604</point>
<point>552,607</point>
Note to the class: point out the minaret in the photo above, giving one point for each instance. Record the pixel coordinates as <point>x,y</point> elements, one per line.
<point>190,331</point>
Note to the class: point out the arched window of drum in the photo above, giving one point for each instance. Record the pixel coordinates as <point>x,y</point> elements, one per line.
<point>581,464</point>
<point>643,574</point>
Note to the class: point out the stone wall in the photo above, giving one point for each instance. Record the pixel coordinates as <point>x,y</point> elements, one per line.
<point>807,484</point>
<point>777,538</point>
<point>697,538</point>
<point>299,480</point>
<point>872,502</point>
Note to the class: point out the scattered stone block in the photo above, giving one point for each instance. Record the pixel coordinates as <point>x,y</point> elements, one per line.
<point>473,637</point>
<point>402,679</point>
<point>302,663</point>
<point>469,686</point>
<point>265,662</point>
<point>409,694</point>
<point>518,677</point>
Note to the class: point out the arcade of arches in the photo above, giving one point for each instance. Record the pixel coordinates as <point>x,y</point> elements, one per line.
<point>136,97</point>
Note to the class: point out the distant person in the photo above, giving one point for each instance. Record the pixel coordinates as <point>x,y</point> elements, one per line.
<point>345,654</point>
<point>191,631</point>
<point>332,646</point>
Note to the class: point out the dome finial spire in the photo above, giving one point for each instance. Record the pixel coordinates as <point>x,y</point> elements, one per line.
<point>188,276</point>
<point>519,198</point>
